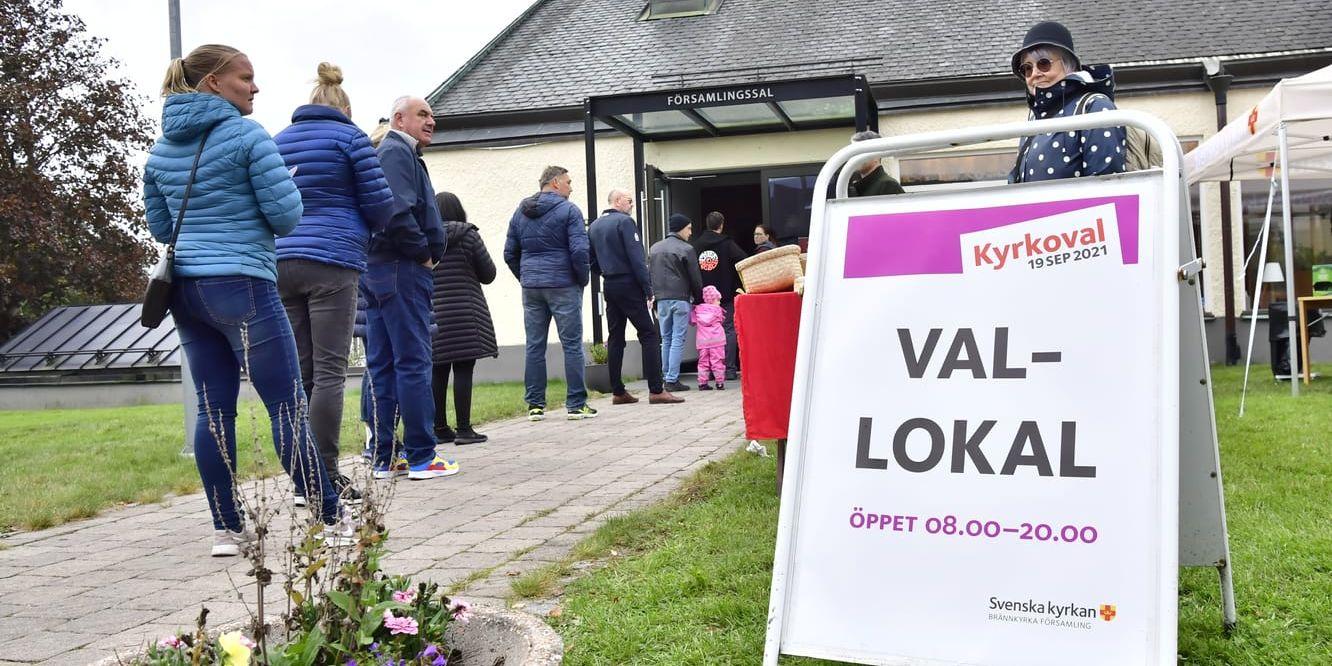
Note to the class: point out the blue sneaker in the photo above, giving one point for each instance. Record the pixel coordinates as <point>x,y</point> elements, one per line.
<point>433,469</point>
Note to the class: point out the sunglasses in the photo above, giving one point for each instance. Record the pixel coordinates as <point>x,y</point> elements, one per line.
<point>1043,65</point>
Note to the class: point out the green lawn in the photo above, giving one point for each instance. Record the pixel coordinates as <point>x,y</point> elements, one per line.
<point>65,464</point>
<point>686,582</point>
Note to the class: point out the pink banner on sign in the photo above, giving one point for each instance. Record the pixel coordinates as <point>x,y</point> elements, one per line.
<point>929,242</point>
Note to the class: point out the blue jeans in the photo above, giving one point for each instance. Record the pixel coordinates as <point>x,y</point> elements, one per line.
<point>397,356</point>
<point>234,322</point>
<point>673,317</point>
<point>565,305</point>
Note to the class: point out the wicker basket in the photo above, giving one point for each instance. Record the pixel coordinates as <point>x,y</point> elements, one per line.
<point>774,270</point>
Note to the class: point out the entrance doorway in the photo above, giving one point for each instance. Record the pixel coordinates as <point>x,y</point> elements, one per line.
<point>778,198</point>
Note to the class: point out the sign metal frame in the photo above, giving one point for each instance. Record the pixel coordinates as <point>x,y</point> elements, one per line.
<point>1190,494</point>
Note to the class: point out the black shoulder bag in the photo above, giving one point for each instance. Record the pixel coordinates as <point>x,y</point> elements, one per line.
<point>157,297</point>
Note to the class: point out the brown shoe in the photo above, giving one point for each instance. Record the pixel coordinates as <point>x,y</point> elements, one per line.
<point>663,398</point>
<point>625,398</point>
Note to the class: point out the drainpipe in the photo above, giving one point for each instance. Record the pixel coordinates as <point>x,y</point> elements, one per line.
<point>1218,81</point>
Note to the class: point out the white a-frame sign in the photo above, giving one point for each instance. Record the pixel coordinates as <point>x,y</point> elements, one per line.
<point>1002,436</point>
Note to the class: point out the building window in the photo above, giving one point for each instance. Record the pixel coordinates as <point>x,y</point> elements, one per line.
<point>941,168</point>
<point>1311,217</point>
<point>666,9</point>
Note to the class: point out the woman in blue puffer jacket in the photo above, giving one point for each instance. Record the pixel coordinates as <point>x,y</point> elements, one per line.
<point>319,264</point>
<point>224,298</point>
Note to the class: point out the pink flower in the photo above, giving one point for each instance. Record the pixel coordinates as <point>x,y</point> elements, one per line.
<point>405,596</point>
<point>248,643</point>
<point>399,625</point>
<point>169,643</point>
<point>462,612</point>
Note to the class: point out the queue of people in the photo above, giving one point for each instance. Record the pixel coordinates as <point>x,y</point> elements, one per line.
<point>276,242</point>
<point>287,247</point>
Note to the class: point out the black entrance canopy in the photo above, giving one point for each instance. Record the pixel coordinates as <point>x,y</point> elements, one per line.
<point>715,111</point>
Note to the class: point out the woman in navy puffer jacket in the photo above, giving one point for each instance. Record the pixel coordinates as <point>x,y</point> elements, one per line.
<point>319,264</point>
<point>224,301</point>
<point>1058,85</point>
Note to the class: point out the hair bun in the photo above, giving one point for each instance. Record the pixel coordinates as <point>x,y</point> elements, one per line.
<point>330,74</point>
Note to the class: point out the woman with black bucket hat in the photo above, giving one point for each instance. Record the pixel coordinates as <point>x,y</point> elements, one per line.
<point>1057,86</point>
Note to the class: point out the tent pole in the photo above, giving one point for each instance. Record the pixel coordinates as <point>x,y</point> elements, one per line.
<point>1257,286</point>
<point>1292,301</point>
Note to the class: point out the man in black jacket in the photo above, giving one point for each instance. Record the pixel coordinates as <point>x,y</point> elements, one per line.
<point>717,257</point>
<point>617,256</point>
<point>673,267</point>
<point>871,180</point>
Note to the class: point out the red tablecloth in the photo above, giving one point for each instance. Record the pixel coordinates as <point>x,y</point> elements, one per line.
<point>767,326</point>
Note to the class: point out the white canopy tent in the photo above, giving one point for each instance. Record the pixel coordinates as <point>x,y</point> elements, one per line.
<point>1287,135</point>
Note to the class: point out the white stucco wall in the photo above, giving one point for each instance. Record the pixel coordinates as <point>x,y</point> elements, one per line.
<point>491,181</point>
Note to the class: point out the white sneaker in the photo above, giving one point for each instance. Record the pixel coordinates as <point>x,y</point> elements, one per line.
<point>341,534</point>
<point>229,544</point>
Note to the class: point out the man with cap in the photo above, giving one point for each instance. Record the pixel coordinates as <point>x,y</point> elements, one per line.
<point>617,256</point>
<point>676,282</point>
<point>870,180</point>
<point>1059,86</point>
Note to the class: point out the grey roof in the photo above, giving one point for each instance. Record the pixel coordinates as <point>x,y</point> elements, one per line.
<point>90,339</point>
<point>561,51</point>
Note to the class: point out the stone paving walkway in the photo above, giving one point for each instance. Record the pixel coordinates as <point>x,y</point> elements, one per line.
<point>80,592</point>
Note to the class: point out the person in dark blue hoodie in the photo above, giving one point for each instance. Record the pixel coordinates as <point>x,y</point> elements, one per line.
<point>224,299</point>
<point>546,249</point>
<point>398,284</point>
<point>1058,86</point>
<point>319,263</point>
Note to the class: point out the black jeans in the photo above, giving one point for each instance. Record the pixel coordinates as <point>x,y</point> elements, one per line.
<point>626,303</point>
<point>320,300</point>
<point>462,393</point>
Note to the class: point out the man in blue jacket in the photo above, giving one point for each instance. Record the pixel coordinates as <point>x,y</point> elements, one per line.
<point>618,257</point>
<point>546,249</point>
<point>398,285</point>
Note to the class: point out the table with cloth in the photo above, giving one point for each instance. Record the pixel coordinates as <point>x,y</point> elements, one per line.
<point>768,326</point>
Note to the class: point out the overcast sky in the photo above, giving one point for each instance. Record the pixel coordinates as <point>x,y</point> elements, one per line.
<point>385,49</point>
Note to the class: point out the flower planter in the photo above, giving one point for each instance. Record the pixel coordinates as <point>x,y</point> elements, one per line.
<point>503,636</point>
<point>491,636</point>
<point>597,377</point>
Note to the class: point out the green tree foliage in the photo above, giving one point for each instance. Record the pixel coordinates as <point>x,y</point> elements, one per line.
<point>71,227</point>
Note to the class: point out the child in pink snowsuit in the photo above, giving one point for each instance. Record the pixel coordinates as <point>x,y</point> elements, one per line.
<point>710,338</point>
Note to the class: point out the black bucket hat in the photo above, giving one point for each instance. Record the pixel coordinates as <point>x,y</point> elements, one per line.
<point>1046,33</point>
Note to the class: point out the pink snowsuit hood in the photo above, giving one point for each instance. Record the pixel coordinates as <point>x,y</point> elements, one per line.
<point>708,317</point>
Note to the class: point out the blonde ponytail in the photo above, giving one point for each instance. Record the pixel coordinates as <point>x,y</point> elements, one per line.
<point>175,82</point>
<point>328,88</point>
<point>377,134</point>
<point>183,75</point>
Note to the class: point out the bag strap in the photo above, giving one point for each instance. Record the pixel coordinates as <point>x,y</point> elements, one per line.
<point>1083,103</point>
<point>185,199</point>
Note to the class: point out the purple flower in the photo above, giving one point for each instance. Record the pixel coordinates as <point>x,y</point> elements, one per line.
<point>353,662</point>
<point>440,661</point>
<point>430,652</point>
<point>399,625</point>
<point>374,647</point>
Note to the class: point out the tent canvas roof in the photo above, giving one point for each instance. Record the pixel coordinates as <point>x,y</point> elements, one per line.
<point>1246,148</point>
